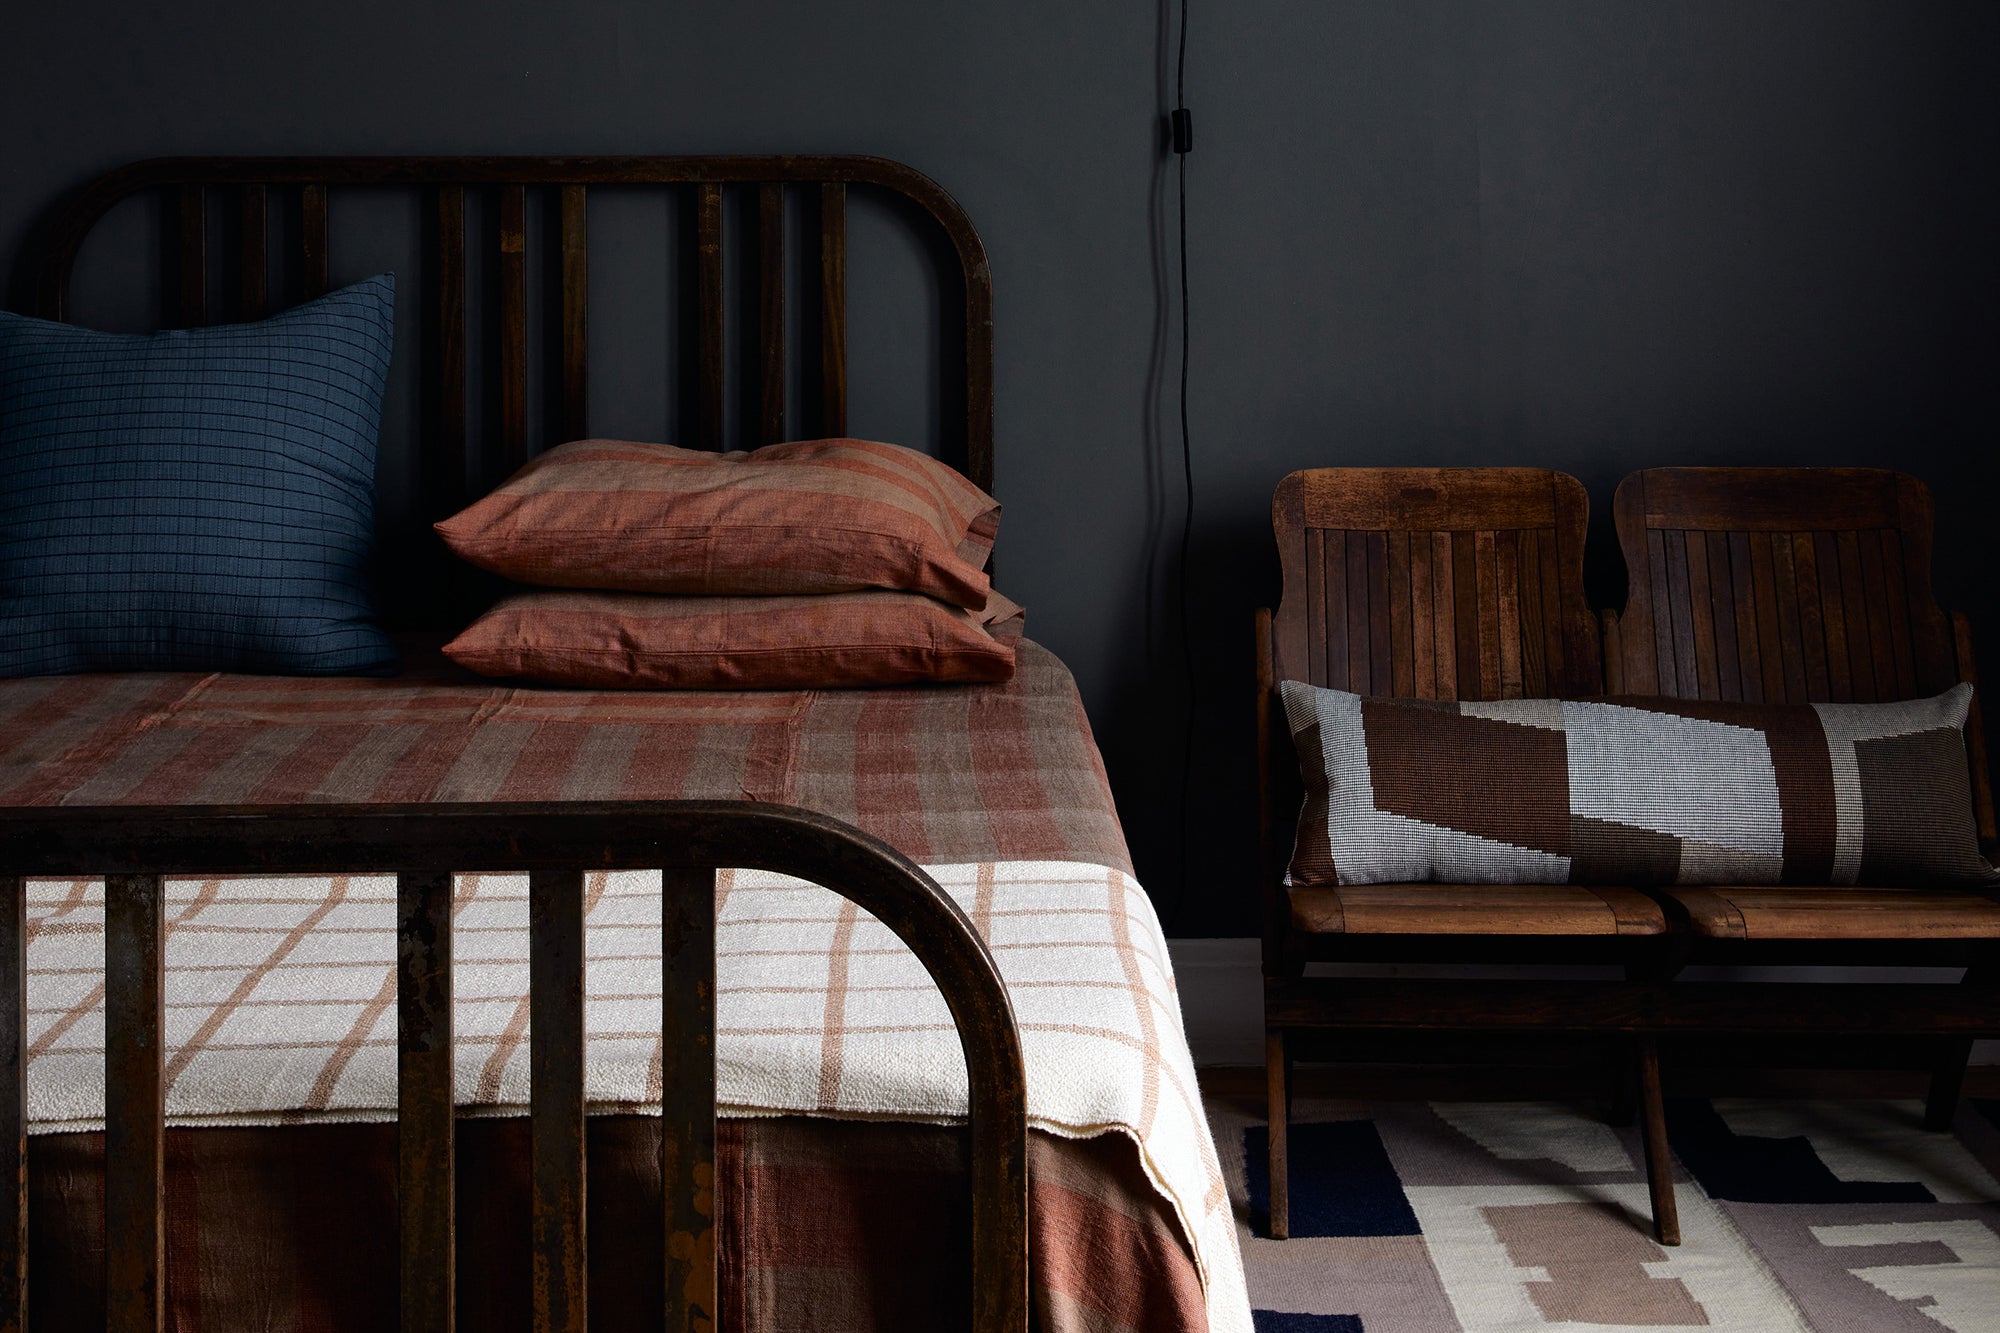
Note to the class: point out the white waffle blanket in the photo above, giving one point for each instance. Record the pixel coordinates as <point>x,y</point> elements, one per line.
<point>281,1008</point>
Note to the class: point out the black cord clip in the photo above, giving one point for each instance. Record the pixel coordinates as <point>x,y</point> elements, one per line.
<point>1183,126</point>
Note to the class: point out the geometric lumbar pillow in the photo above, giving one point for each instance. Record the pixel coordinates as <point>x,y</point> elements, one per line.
<point>1632,790</point>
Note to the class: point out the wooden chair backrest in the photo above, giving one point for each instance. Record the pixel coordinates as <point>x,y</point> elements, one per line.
<point>1434,583</point>
<point>1786,585</point>
<point>1779,585</point>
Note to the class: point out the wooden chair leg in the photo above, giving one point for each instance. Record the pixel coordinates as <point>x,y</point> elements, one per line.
<point>1659,1165</point>
<point>1277,1069</point>
<point>1947,1079</point>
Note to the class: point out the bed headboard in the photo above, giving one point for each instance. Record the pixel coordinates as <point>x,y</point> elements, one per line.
<point>502,309</point>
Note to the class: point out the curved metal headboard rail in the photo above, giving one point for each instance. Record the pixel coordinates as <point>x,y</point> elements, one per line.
<point>687,840</point>
<point>64,230</point>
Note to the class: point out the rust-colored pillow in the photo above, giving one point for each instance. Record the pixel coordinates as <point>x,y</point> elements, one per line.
<point>620,640</point>
<point>809,516</point>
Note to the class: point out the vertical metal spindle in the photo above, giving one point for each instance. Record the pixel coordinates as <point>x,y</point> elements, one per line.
<point>687,1138</point>
<point>424,1101</point>
<point>556,1062</point>
<point>134,1105</point>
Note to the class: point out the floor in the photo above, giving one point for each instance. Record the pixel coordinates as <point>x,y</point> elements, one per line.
<point>1414,1215</point>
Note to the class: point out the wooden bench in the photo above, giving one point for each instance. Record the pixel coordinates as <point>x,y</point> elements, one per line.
<point>1428,583</point>
<point>1811,585</point>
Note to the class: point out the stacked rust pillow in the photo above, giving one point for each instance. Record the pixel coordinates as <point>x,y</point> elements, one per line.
<point>811,564</point>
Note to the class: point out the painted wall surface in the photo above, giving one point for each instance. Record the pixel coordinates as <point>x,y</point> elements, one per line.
<point>1588,234</point>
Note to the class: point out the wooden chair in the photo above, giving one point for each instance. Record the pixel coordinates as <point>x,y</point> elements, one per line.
<point>1811,585</point>
<point>1431,583</point>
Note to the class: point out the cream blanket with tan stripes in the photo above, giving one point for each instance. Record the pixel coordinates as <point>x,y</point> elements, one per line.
<point>281,1008</point>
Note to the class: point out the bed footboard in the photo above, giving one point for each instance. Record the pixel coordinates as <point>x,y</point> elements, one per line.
<point>134,848</point>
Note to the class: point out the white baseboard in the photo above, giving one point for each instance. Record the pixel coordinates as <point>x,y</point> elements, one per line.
<point>1222,999</point>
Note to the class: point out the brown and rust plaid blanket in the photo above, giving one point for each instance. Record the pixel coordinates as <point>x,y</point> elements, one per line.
<point>281,991</point>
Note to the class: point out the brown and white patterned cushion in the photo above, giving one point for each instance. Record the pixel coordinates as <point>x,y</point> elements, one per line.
<point>1632,790</point>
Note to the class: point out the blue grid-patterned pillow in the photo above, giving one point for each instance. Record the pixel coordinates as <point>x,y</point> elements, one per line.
<point>193,501</point>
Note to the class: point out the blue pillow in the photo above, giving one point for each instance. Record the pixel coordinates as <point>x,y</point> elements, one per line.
<point>200,500</point>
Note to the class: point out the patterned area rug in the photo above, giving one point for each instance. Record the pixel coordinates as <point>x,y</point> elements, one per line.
<point>1415,1217</point>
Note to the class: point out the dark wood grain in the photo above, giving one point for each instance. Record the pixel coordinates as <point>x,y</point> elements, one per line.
<point>1507,608</point>
<point>1770,644</point>
<point>557,1056</point>
<point>1722,602</point>
<point>1334,572</point>
<point>1444,613</point>
<point>574,249</point>
<point>253,254</point>
<point>771,312</point>
<point>135,1200</point>
<point>191,242</point>
<point>1423,621</point>
<point>1666,664</point>
<point>1659,1162</point>
<point>1791,643</point>
<point>1687,676</point>
<point>1854,610</point>
<point>314,241</point>
<point>1313,572</point>
<point>1402,648</point>
<point>1534,631</point>
<point>1701,614</point>
<point>687,1144</point>
<point>1472,681</point>
<point>14,1103</point>
<point>1749,632</point>
<point>1812,621</point>
<point>1360,623</point>
<point>1875,593</point>
<point>424,1101</point>
<point>708,317</point>
<point>1833,615</point>
<point>833,314</point>
<point>1896,602</point>
<point>1381,618</point>
<point>513,330</point>
<point>447,457</point>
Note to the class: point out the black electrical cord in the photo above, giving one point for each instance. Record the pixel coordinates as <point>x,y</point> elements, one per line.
<point>1183,142</point>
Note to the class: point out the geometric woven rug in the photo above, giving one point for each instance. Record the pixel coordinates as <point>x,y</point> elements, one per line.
<point>1422,1217</point>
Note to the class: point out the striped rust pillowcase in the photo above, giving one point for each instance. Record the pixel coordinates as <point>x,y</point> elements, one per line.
<point>1632,790</point>
<point>809,516</point>
<point>609,640</point>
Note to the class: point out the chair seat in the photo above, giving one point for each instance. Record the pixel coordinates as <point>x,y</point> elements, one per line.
<point>1475,909</point>
<point>1808,912</point>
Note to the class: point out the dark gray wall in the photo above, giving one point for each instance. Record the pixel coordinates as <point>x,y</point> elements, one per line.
<point>1586,234</point>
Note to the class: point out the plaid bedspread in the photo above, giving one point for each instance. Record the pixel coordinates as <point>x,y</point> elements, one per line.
<point>281,991</point>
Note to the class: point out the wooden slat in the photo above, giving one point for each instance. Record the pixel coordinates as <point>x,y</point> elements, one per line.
<point>1555,632</point>
<point>1444,613</point>
<point>1770,651</point>
<point>708,316</point>
<point>573,239</point>
<point>556,1057</point>
<point>833,309</point>
<point>1701,614</point>
<point>513,367</point>
<point>1791,642</point>
<point>1743,591</point>
<point>687,1145</point>
<point>1833,614</point>
<point>1854,599</point>
<point>1359,624</point>
<point>1465,613</point>
<point>1583,672</point>
<point>424,1101</point>
<point>1402,651</point>
<point>1896,598</point>
<point>1380,662</point>
<point>1812,623</point>
<point>1423,624</point>
<point>771,310</point>
<point>448,339</point>
<point>1722,616</point>
<point>1334,585</point>
<point>253,268</point>
<point>1485,568</point>
<point>1663,621</point>
<point>1875,596</point>
<point>1427,499</point>
<point>1507,609</point>
<point>14,1103</point>
<point>1534,630</point>
<point>134,1105</point>
<point>314,242</point>
<point>191,258</point>
<point>1315,570</point>
<point>1680,614</point>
